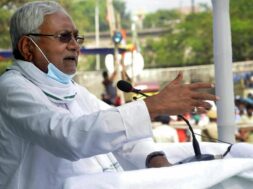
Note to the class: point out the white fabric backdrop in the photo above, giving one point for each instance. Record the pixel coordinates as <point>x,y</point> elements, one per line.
<point>235,171</point>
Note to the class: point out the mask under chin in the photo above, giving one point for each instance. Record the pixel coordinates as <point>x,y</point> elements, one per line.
<point>58,75</point>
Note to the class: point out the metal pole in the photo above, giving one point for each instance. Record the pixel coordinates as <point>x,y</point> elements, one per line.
<point>193,6</point>
<point>113,28</point>
<point>223,70</point>
<point>97,33</point>
<point>111,16</point>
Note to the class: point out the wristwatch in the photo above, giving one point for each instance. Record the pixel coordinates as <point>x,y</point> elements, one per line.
<point>152,155</point>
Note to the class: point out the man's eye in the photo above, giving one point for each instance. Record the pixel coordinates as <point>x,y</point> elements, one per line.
<point>65,35</point>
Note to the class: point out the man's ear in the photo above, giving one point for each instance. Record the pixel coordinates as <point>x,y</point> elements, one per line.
<point>26,48</point>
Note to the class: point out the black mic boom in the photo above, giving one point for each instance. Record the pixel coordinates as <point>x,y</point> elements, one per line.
<point>127,87</point>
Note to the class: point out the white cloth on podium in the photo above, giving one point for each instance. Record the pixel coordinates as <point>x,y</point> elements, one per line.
<point>234,171</point>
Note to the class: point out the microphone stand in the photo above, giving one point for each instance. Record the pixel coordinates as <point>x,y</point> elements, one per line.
<point>198,156</point>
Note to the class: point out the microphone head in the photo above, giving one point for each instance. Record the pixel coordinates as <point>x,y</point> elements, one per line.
<point>124,86</point>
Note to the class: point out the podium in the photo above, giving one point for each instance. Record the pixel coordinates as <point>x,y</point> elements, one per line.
<point>214,174</point>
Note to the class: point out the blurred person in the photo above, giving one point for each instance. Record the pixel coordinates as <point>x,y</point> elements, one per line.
<point>210,132</point>
<point>128,97</point>
<point>250,96</point>
<point>184,134</point>
<point>246,134</point>
<point>162,132</point>
<point>240,108</point>
<point>52,128</point>
<point>110,94</point>
<point>248,81</point>
<point>248,117</point>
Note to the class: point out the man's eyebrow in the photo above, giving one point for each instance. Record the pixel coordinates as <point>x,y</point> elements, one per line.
<point>72,31</point>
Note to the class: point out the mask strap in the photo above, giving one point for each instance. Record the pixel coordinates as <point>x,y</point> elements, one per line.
<point>38,48</point>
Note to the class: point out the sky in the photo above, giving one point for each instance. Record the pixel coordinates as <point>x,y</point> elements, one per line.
<point>153,5</point>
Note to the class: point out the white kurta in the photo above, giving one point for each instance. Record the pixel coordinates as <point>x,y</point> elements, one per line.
<point>43,142</point>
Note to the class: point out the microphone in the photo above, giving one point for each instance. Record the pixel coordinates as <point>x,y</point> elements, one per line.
<point>127,87</point>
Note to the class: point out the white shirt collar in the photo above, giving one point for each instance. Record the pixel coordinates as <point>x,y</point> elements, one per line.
<point>55,91</point>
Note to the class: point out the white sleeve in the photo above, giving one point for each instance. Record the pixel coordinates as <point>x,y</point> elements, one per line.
<point>133,154</point>
<point>27,114</point>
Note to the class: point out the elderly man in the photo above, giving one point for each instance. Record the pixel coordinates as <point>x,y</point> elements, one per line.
<point>52,128</point>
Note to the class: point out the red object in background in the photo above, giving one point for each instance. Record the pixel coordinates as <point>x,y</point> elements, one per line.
<point>182,133</point>
<point>182,137</point>
<point>117,101</point>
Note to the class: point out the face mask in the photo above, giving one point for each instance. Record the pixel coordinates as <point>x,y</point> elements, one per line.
<point>58,75</point>
<point>53,71</point>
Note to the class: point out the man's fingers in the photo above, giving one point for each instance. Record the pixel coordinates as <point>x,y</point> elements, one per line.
<point>201,104</point>
<point>200,85</point>
<point>199,107</point>
<point>201,110</point>
<point>204,96</point>
<point>178,79</point>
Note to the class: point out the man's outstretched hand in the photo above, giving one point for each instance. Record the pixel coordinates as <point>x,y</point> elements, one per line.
<point>177,98</point>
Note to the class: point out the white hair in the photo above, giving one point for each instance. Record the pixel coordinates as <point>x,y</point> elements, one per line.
<point>28,18</point>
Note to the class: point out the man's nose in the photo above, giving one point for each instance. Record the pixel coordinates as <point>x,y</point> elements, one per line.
<point>73,44</point>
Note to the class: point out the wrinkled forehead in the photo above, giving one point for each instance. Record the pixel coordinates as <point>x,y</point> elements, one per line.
<point>58,21</point>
